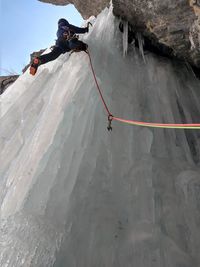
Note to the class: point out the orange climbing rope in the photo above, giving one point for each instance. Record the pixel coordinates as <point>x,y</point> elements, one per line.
<point>138,123</point>
<point>98,88</point>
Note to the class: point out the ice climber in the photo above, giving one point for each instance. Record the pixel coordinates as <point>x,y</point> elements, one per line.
<point>67,40</point>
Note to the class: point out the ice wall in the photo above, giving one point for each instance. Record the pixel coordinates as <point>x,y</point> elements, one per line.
<point>74,194</point>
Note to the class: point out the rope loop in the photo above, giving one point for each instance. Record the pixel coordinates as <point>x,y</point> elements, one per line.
<point>193,126</point>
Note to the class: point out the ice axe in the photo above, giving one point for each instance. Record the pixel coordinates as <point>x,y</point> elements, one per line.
<point>89,24</point>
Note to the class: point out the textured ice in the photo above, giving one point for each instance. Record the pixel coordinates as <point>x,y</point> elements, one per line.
<point>125,37</point>
<point>141,45</point>
<point>73,194</point>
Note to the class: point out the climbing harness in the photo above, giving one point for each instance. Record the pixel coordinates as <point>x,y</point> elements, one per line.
<point>194,126</point>
<point>69,35</point>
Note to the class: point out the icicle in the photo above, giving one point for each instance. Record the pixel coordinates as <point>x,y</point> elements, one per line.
<point>141,44</point>
<point>189,68</point>
<point>125,38</point>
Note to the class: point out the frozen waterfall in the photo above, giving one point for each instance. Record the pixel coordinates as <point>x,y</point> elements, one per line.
<point>73,194</point>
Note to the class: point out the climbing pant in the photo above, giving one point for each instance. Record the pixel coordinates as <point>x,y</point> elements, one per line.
<point>56,52</point>
<point>73,44</point>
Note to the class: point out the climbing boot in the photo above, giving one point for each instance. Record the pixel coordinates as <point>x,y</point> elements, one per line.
<point>34,66</point>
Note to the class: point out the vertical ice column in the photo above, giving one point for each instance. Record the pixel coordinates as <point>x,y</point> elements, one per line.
<point>125,38</point>
<point>141,45</point>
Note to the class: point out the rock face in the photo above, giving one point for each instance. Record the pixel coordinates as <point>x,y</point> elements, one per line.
<point>175,24</point>
<point>57,2</point>
<point>5,81</point>
<point>87,8</point>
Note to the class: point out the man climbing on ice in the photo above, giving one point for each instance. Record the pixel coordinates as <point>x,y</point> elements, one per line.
<point>67,40</point>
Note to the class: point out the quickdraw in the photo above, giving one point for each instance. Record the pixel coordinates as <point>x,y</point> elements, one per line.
<point>110,118</point>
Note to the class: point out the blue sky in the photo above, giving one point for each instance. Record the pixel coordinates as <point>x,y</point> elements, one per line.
<point>28,26</point>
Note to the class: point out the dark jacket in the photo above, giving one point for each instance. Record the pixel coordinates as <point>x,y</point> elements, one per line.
<point>65,28</point>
